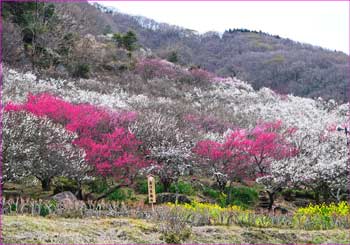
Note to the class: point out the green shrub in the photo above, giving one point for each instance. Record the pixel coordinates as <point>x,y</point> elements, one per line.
<point>127,41</point>
<point>242,196</point>
<point>220,198</point>
<point>81,70</point>
<point>47,208</point>
<point>98,185</point>
<point>44,210</point>
<point>210,192</point>
<point>64,184</point>
<point>142,187</point>
<point>173,57</point>
<point>304,194</point>
<point>13,207</point>
<point>183,187</point>
<point>121,194</point>
<point>290,193</point>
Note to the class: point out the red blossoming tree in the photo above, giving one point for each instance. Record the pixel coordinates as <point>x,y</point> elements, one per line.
<point>103,134</point>
<point>225,161</point>
<point>246,153</point>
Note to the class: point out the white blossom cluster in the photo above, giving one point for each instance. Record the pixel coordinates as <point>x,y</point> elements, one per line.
<point>38,147</point>
<point>16,87</point>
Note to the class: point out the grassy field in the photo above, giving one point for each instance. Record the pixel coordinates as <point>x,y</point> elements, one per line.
<point>39,230</point>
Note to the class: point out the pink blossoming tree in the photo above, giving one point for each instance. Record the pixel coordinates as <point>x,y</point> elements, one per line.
<point>110,148</point>
<point>246,154</point>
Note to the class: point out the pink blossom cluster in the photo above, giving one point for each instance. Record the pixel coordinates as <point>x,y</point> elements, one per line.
<point>248,153</point>
<point>152,68</point>
<point>102,133</point>
<point>157,68</point>
<point>199,74</point>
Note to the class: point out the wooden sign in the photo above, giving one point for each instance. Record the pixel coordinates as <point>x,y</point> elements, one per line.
<point>151,189</point>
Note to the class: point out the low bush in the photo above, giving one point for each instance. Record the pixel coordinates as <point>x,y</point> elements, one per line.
<point>121,194</point>
<point>183,187</point>
<point>142,187</point>
<point>81,71</point>
<point>207,214</point>
<point>173,225</point>
<point>99,185</point>
<point>64,184</point>
<point>210,192</point>
<point>45,209</point>
<point>290,194</point>
<point>241,196</point>
<point>244,197</point>
<point>314,217</point>
<point>322,217</point>
<point>42,208</point>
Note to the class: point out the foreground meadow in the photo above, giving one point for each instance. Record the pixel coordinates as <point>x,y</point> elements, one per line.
<point>39,230</point>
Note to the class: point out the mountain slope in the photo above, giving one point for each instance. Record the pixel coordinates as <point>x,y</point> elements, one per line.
<point>263,60</point>
<point>259,58</point>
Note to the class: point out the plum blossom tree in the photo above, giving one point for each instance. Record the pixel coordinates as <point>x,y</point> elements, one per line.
<point>157,68</point>
<point>110,148</point>
<point>320,165</point>
<point>200,75</point>
<point>224,161</point>
<point>169,146</point>
<point>246,154</point>
<point>267,142</point>
<point>151,68</point>
<point>38,147</point>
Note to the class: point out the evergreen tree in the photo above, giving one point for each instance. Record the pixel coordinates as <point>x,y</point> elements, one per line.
<point>173,57</point>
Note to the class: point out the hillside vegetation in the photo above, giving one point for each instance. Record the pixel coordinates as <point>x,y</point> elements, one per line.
<point>264,60</point>
<point>93,111</point>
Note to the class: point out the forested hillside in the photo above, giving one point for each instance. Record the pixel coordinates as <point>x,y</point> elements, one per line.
<point>262,59</point>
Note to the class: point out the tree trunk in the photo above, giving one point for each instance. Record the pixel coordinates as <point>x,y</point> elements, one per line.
<point>325,193</point>
<point>271,199</point>
<point>79,192</point>
<point>229,194</point>
<point>46,184</point>
<point>166,184</point>
<point>317,196</point>
<point>222,184</point>
<point>177,193</point>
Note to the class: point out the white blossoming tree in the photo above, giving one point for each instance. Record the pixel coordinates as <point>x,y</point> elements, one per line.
<point>34,146</point>
<point>169,147</point>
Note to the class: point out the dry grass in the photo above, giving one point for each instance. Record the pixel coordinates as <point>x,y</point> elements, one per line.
<point>38,230</point>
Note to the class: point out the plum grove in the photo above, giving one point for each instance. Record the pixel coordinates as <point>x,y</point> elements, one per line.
<point>271,140</point>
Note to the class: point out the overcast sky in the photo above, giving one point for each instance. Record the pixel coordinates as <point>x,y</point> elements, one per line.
<point>324,24</point>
